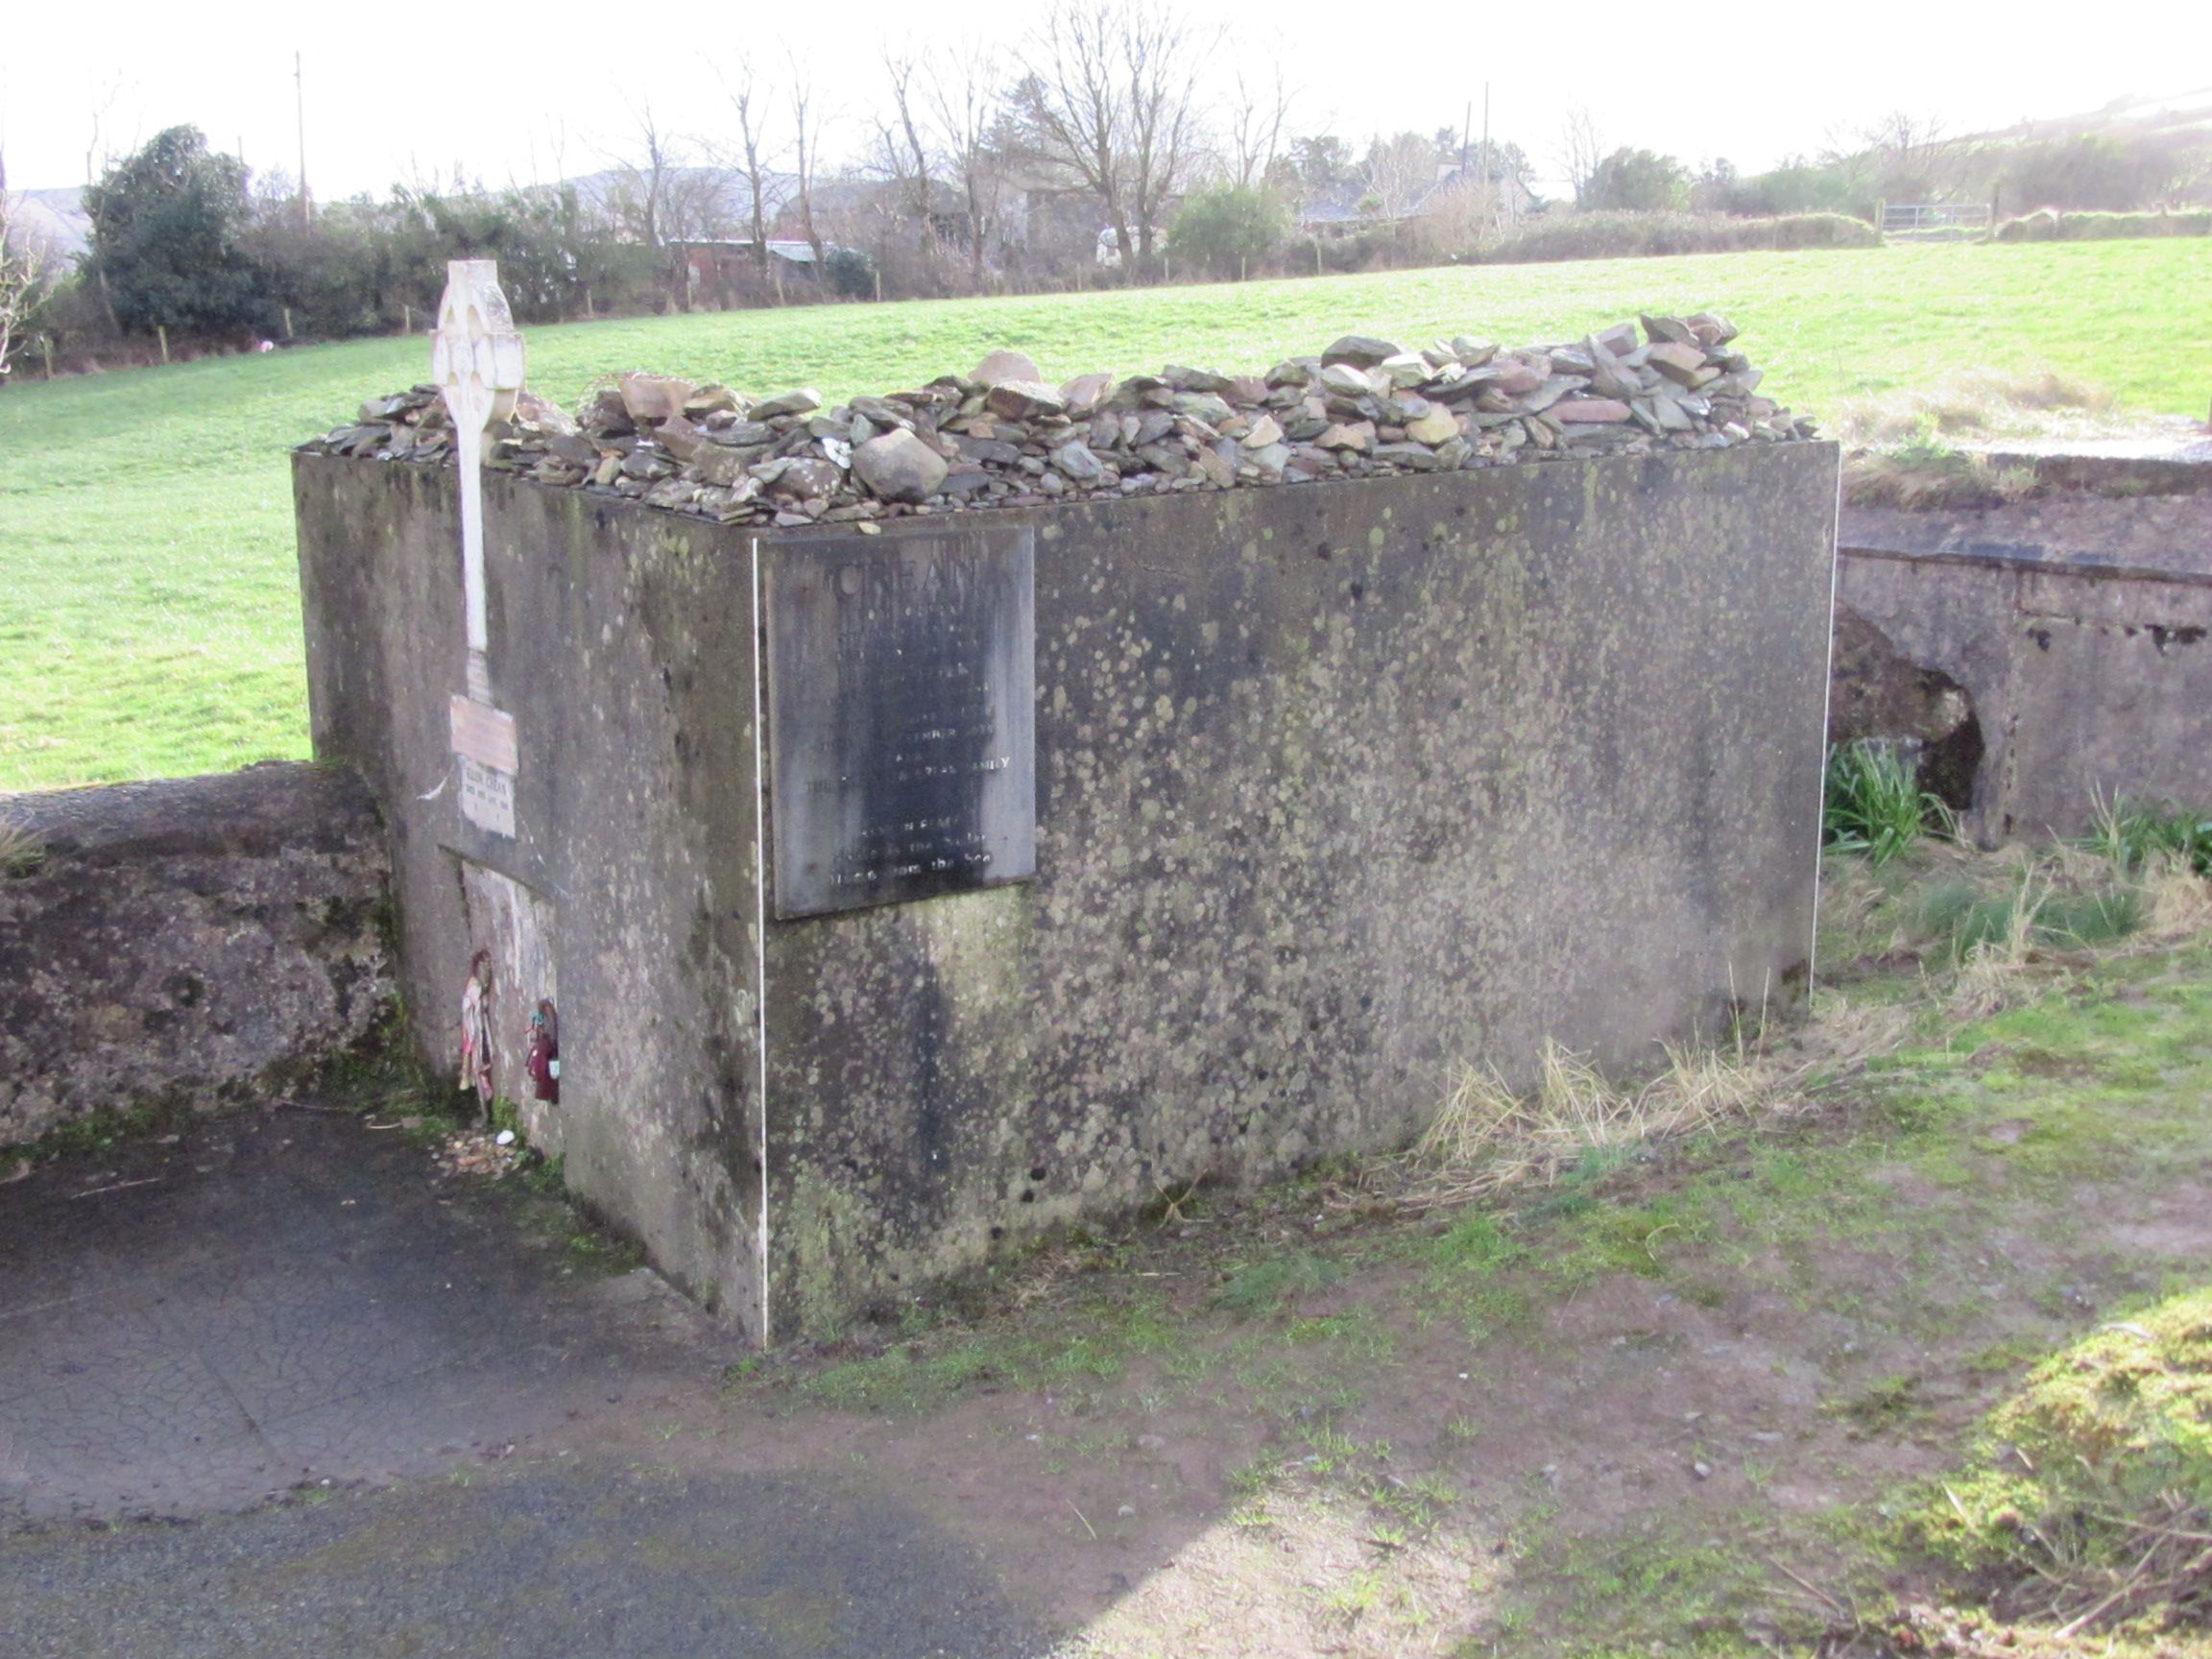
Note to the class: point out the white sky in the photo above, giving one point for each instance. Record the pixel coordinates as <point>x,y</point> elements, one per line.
<point>413,93</point>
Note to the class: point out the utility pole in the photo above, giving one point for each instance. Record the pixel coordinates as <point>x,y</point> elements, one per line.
<point>1486,137</point>
<point>299,112</point>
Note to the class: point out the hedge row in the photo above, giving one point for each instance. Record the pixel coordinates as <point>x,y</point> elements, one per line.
<point>1616,235</point>
<point>2052,225</point>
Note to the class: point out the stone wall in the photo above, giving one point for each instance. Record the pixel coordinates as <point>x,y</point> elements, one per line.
<point>1334,786</point>
<point>2043,654</point>
<point>186,944</point>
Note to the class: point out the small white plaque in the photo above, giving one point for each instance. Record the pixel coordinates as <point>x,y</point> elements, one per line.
<point>488,796</point>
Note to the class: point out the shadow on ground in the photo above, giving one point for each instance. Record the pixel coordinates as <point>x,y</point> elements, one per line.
<point>292,1306</point>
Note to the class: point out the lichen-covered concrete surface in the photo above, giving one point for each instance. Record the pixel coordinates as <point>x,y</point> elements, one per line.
<point>1336,786</point>
<point>192,942</point>
<point>2079,627</point>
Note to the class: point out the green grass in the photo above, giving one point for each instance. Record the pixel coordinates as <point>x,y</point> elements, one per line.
<point>1937,1248</point>
<point>1262,1288</point>
<point>1873,804</point>
<point>149,600</point>
<point>2085,1494</point>
<point>2135,833</point>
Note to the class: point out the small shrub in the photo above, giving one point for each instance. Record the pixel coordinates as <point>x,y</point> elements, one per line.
<point>2088,919</point>
<point>1228,231</point>
<point>849,273</point>
<point>1874,804</point>
<point>1477,1242</point>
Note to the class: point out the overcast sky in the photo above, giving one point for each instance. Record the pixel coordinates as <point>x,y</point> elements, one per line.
<point>520,96</point>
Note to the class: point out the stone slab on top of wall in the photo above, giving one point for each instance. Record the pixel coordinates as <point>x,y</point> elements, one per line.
<point>1335,787</point>
<point>188,943</point>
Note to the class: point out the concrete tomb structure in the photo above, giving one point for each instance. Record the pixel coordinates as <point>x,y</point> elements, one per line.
<point>911,885</point>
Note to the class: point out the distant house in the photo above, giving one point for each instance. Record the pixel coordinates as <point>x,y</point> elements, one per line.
<point>719,271</point>
<point>1347,208</point>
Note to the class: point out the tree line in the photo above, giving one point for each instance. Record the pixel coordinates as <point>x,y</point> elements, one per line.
<point>1090,156</point>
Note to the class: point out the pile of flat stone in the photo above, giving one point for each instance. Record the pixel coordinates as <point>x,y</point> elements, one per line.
<point>1000,437</point>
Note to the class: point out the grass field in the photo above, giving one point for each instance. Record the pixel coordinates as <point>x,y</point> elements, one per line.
<point>149,608</point>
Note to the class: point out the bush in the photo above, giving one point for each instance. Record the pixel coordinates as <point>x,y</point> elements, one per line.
<point>168,239</point>
<point>1874,804</point>
<point>2052,225</point>
<point>1620,235</point>
<point>1372,250</point>
<point>850,273</point>
<point>1227,231</point>
<point>1636,180</point>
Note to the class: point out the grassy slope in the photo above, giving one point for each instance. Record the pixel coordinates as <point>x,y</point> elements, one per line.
<point>148,602</point>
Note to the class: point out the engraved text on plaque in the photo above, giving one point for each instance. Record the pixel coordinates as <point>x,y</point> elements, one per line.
<point>902,715</point>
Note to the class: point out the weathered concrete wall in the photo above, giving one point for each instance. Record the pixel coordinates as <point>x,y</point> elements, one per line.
<point>194,942</point>
<point>2081,628</point>
<point>1336,785</point>
<point>622,639</point>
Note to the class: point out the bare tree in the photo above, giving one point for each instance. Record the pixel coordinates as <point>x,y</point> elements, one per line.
<point>1257,112</point>
<point>1109,94</point>
<point>1400,172</point>
<point>966,113</point>
<point>26,269</point>
<point>806,148</point>
<point>1073,98</point>
<point>1913,156</point>
<point>1582,147</point>
<point>751,105</point>
<point>1160,57</point>
<point>902,156</point>
<point>646,183</point>
<point>96,154</point>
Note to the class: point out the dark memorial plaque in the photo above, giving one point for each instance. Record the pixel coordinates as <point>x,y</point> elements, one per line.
<point>902,715</point>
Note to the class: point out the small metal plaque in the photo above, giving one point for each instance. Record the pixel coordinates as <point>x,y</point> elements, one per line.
<point>488,796</point>
<point>901,716</point>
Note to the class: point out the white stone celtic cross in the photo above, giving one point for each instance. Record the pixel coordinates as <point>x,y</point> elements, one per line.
<point>476,359</point>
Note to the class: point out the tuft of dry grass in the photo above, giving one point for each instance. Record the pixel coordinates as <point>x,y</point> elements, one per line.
<point>1487,1135</point>
<point>1974,405</point>
<point>21,850</point>
<point>1997,971</point>
<point>1914,449</point>
<point>2178,902</point>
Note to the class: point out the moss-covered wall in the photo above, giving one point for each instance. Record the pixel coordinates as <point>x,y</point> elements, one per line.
<point>1336,785</point>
